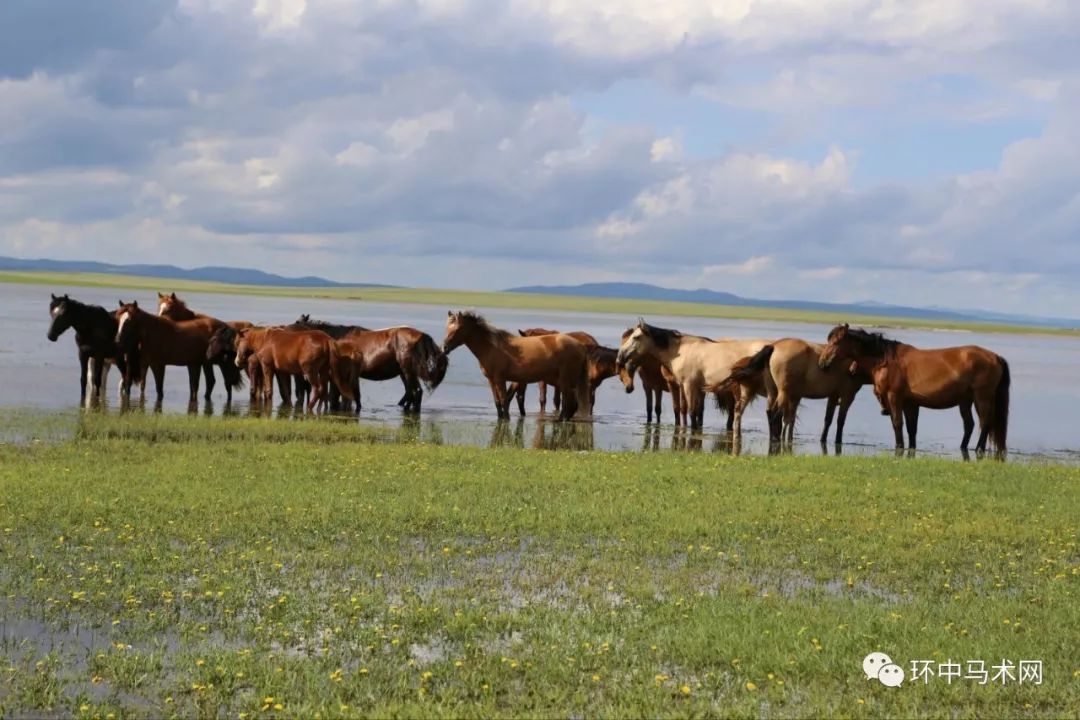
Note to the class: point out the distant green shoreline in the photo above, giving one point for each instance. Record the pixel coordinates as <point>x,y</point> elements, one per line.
<point>523,301</point>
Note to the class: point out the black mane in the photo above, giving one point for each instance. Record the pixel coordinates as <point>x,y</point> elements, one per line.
<point>334,330</point>
<point>479,321</point>
<point>872,343</point>
<point>661,337</point>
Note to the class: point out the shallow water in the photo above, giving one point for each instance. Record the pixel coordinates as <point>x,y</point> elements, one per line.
<point>43,376</point>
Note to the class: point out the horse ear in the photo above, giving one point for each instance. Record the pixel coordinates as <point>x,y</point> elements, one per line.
<point>120,303</point>
<point>449,313</point>
<point>135,304</point>
<point>53,295</point>
<point>521,333</point>
<point>173,296</point>
<point>66,297</point>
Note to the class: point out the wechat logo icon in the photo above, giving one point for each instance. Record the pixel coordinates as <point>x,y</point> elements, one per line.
<point>879,666</point>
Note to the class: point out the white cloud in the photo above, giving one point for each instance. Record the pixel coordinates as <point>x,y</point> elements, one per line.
<point>355,137</point>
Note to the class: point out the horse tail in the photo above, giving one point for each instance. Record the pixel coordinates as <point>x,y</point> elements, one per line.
<point>230,373</point>
<point>340,362</point>
<point>744,372</point>
<point>431,361</point>
<point>1000,426</point>
<point>583,390</point>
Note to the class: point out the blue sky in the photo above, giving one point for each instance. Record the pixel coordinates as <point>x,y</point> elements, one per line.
<point>923,152</point>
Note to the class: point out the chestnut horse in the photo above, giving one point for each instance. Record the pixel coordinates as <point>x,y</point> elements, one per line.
<point>161,342</point>
<point>403,352</point>
<point>790,370</point>
<point>378,355</point>
<point>907,378</point>
<point>95,339</point>
<point>517,390</point>
<point>174,308</point>
<point>557,359</point>
<point>284,352</point>
<point>695,362</point>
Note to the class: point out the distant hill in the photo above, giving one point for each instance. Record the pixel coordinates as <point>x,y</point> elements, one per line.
<point>232,276</point>
<point>643,291</point>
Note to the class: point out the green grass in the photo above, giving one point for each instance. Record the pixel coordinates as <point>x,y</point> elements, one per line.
<point>213,567</point>
<point>465,299</point>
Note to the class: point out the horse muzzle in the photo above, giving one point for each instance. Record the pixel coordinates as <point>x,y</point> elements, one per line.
<point>52,337</point>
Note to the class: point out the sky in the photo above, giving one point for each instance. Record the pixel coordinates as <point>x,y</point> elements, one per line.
<point>919,152</point>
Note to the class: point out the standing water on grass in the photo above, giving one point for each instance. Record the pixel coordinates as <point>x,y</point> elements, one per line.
<point>42,377</point>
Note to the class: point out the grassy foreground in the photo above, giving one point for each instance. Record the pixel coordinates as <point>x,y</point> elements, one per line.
<point>162,570</point>
<point>524,301</point>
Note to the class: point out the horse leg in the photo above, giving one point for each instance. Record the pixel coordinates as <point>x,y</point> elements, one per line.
<point>208,371</point>
<point>732,405</point>
<point>557,397</point>
<point>659,395</point>
<point>830,410</point>
<point>969,423</point>
<point>896,413</point>
<point>498,394</point>
<point>517,390</point>
<point>101,370</point>
<point>159,381</point>
<point>791,411</point>
<point>84,363</point>
<point>841,418</point>
<point>193,382</point>
<point>984,406</point>
<point>911,417</point>
<point>543,397</point>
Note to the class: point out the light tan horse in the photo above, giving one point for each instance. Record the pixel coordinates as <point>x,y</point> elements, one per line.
<point>558,360</point>
<point>790,370</point>
<point>695,362</point>
<point>907,378</point>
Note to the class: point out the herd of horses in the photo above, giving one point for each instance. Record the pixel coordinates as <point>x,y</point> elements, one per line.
<point>321,364</point>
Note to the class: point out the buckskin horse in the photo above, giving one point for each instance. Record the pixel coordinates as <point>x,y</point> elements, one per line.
<point>695,362</point>
<point>161,342</point>
<point>174,308</point>
<point>517,390</point>
<point>558,359</point>
<point>907,378</point>
<point>95,339</point>
<point>790,370</point>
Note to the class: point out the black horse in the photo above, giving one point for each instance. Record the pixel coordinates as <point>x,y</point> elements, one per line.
<point>95,338</point>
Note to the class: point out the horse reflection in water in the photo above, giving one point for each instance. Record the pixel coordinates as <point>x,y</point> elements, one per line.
<point>549,434</point>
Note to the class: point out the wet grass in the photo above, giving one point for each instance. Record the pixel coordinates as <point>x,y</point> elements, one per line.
<point>212,570</point>
<point>466,299</point>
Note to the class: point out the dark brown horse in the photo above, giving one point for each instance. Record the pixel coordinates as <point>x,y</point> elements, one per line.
<point>907,378</point>
<point>378,355</point>
<point>556,359</point>
<point>95,339</point>
<point>517,390</point>
<point>285,352</point>
<point>174,308</point>
<point>403,352</point>
<point>162,342</point>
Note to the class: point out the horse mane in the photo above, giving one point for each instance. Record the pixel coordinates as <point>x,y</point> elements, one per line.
<point>661,337</point>
<point>873,343</point>
<point>484,326</point>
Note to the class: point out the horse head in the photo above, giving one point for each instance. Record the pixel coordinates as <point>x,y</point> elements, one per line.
<point>61,319</point>
<point>127,320</point>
